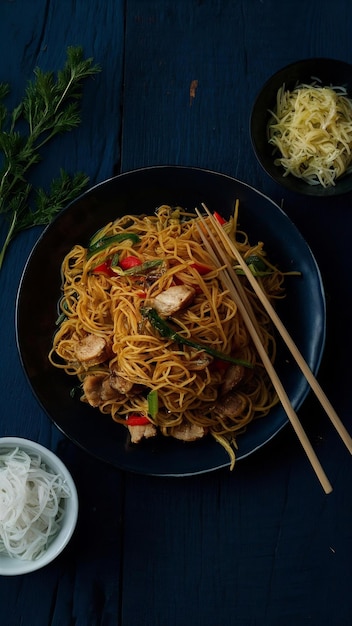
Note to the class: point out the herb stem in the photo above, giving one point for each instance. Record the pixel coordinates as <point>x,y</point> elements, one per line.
<point>8,239</point>
<point>49,107</point>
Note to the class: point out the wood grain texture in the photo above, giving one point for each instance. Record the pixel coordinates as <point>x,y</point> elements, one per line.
<point>261,545</point>
<point>38,34</point>
<point>82,586</point>
<point>267,556</point>
<point>230,49</point>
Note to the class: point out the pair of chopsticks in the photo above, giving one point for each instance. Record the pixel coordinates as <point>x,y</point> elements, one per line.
<point>221,255</point>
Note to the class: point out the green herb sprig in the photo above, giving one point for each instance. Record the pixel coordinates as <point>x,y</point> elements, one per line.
<point>49,107</point>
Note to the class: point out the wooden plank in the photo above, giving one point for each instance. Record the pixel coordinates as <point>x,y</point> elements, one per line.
<point>260,545</point>
<point>82,585</point>
<point>244,548</point>
<point>41,39</point>
<point>229,49</point>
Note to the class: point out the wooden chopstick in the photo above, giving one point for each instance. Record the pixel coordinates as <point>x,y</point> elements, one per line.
<point>232,282</point>
<point>302,364</point>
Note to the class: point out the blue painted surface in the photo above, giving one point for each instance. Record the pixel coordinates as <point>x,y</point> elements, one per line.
<point>262,545</point>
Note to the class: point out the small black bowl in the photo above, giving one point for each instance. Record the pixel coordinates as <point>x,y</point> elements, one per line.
<point>328,72</point>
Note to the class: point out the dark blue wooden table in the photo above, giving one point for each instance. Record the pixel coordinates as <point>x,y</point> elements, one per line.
<point>262,545</point>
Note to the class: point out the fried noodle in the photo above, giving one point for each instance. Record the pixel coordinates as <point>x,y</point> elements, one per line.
<point>110,305</point>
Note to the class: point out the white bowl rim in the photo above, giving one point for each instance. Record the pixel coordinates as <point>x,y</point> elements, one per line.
<point>12,566</point>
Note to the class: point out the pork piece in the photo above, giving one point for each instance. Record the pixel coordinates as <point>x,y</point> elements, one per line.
<point>124,386</point>
<point>231,405</point>
<point>108,392</point>
<point>141,431</point>
<point>233,376</point>
<point>97,390</point>
<point>92,389</point>
<point>92,350</point>
<point>119,383</point>
<point>173,299</point>
<point>188,432</point>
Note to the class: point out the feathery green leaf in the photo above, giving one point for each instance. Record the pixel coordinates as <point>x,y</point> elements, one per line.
<point>49,107</point>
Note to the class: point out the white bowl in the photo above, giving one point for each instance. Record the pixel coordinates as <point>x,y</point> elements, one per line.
<point>13,566</point>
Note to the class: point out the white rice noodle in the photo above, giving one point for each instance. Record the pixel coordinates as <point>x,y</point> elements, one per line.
<point>31,504</point>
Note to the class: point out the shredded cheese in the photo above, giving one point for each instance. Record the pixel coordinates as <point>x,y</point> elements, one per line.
<point>31,504</point>
<point>311,127</point>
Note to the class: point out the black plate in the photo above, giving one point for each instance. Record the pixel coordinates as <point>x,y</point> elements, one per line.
<point>141,191</point>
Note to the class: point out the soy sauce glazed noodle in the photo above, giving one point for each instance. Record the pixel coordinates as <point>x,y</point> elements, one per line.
<point>138,367</point>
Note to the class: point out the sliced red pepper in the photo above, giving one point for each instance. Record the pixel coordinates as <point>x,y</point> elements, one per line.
<point>137,420</point>
<point>219,218</point>
<point>201,268</point>
<point>219,365</point>
<point>104,268</point>
<point>130,261</point>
